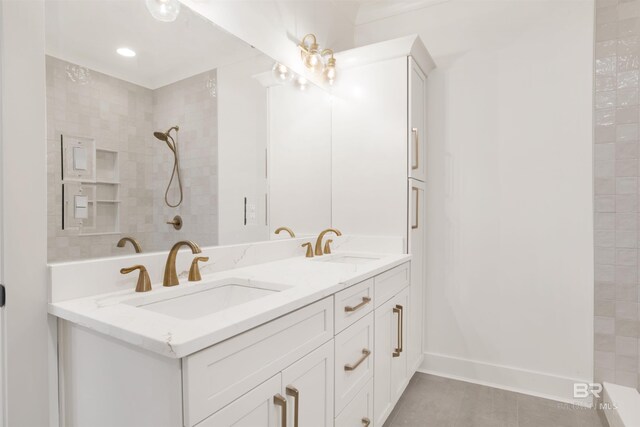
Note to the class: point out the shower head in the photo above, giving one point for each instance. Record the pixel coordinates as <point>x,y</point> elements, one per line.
<point>165,136</point>
<point>161,136</point>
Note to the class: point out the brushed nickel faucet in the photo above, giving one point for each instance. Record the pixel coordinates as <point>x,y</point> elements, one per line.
<point>321,236</point>
<point>170,275</point>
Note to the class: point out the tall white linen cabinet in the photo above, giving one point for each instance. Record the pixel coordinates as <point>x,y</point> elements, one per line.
<point>379,182</point>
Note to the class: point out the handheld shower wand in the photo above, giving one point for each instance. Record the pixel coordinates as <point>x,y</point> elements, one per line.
<point>173,146</point>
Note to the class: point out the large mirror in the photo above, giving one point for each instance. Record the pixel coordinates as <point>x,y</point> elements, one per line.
<point>164,131</point>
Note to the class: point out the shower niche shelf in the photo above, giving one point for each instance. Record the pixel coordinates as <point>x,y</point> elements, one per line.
<point>100,185</point>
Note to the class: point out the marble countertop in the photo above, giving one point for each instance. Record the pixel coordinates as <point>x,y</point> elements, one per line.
<point>303,281</point>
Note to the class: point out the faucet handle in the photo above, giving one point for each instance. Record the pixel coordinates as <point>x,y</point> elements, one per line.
<point>144,282</point>
<point>309,250</point>
<point>327,246</point>
<point>194,271</point>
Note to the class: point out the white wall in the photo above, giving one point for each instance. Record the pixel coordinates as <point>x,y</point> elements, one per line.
<point>242,150</point>
<point>276,27</point>
<point>24,231</point>
<point>299,159</point>
<point>509,190</point>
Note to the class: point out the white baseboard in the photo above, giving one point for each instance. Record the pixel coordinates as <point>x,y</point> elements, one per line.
<point>509,378</point>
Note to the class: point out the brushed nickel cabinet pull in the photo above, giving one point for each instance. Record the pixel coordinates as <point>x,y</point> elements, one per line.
<point>365,354</point>
<point>365,301</point>
<point>417,223</point>
<point>366,421</point>
<point>282,403</point>
<point>416,140</point>
<point>293,392</point>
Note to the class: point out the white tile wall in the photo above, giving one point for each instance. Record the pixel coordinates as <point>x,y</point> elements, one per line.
<point>617,213</point>
<point>189,104</point>
<point>122,116</point>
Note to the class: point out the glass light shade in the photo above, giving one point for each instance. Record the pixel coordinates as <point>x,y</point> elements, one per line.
<point>329,72</point>
<point>164,10</point>
<point>301,83</point>
<point>313,60</point>
<point>281,72</point>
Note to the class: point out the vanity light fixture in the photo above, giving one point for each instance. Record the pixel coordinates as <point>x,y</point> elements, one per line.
<point>314,59</point>
<point>281,72</point>
<point>126,52</point>
<point>310,53</point>
<point>329,72</point>
<point>301,83</point>
<point>164,10</point>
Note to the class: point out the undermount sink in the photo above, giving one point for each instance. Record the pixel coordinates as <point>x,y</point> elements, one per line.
<point>209,299</point>
<point>347,259</point>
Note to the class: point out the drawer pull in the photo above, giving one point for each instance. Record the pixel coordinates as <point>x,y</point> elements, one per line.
<point>399,310</point>
<point>365,301</point>
<point>365,354</point>
<point>282,402</point>
<point>366,421</point>
<point>293,392</point>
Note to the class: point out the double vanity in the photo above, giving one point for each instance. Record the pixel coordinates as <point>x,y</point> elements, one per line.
<point>252,326</point>
<point>298,341</point>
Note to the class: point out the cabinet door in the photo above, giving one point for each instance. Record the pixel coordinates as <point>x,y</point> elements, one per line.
<point>263,406</point>
<point>416,233</point>
<point>308,386</point>
<point>359,412</point>
<point>390,357</point>
<point>417,120</point>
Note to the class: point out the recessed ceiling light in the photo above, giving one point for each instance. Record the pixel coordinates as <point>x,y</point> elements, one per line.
<point>125,51</point>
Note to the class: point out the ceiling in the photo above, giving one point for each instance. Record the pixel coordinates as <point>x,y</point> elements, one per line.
<point>88,33</point>
<point>365,11</point>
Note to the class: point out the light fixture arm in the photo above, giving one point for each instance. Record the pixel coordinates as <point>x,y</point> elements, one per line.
<point>314,58</point>
<point>306,46</point>
<point>327,52</point>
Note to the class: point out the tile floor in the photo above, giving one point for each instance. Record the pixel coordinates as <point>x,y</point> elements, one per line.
<point>431,401</point>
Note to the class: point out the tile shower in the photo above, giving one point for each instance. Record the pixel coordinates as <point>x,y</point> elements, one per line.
<point>616,191</point>
<point>122,116</point>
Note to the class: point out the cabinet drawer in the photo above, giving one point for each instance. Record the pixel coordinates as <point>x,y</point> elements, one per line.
<point>354,360</point>
<point>353,304</point>
<point>217,375</point>
<point>359,412</point>
<point>391,282</point>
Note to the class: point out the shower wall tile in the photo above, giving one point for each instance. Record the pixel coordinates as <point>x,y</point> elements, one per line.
<point>616,191</point>
<point>189,104</point>
<point>117,115</point>
<point>122,116</point>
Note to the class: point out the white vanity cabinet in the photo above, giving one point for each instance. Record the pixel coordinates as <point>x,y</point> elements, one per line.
<point>391,343</point>
<point>339,361</point>
<point>257,408</point>
<point>417,248</point>
<point>308,387</point>
<point>379,129</point>
<point>301,395</point>
<point>417,121</point>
